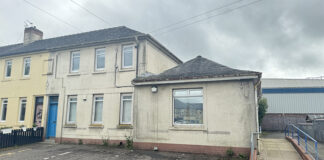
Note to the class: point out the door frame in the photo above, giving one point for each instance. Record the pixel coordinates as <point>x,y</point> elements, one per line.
<point>48,112</point>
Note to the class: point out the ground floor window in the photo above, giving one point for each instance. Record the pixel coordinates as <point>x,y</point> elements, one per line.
<point>72,107</point>
<point>22,110</point>
<point>4,109</point>
<point>187,106</point>
<point>126,109</point>
<point>97,109</point>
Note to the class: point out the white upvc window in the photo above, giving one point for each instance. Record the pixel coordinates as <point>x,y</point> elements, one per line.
<point>8,68</point>
<point>187,107</point>
<point>26,69</point>
<point>100,59</point>
<point>97,109</point>
<point>126,109</point>
<point>72,109</point>
<point>75,61</point>
<point>127,56</point>
<point>4,109</point>
<point>22,109</point>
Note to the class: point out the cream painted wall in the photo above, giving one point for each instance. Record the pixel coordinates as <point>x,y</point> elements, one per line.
<point>87,83</point>
<point>18,86</point>
<point>229,115</point>
<point>157,61</point>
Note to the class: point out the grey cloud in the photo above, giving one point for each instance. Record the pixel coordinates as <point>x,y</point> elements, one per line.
<point>278,38</point>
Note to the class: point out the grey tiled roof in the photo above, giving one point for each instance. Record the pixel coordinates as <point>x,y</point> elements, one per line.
<point>196,68</point>
<point>103,35</point>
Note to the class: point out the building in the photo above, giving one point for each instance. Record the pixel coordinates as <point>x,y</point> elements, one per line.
<point>199,106</point>
<point>92,81</point>
<point>291,100</point>
<point>23,83</point>
<point>106,84</point>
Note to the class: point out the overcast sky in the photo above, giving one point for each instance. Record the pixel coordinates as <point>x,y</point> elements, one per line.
<point>281,39</point>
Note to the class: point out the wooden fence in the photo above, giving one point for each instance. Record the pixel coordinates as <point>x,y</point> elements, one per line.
<point>19,137</point>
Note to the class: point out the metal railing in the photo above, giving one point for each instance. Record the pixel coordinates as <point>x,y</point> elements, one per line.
<point>303,139</point>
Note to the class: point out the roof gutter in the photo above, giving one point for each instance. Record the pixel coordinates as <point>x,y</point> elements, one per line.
<point>194,80</point>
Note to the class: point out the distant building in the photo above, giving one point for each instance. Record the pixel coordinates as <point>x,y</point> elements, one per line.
<point>291,100</point>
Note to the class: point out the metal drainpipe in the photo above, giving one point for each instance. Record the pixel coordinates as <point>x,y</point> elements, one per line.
<point>137,53</point>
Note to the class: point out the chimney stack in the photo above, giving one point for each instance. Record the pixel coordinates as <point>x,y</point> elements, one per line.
<point>32,34</point>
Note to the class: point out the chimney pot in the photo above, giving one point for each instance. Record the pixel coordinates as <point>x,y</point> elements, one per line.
<point>32,34</point>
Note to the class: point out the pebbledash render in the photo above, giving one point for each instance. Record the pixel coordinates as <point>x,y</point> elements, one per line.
<point>109,84</point>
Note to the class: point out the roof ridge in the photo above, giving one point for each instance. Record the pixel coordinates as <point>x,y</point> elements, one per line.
<point>75,34</point>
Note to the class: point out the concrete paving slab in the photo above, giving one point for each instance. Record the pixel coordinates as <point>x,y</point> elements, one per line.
<point>276,148</point>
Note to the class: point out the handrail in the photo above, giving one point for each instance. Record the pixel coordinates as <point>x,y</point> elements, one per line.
<point>306,136</point>
<point>252,142</point>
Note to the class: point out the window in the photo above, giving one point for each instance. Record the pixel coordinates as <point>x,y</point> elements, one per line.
<point>72,107</point>
<point>4,109</point>
<point>97,109</point>
<point>126,109</point>
<point>75,61</point>
<point>188,106</point>
<point>22,110</point>
<point>127,57</point>
<point>100,59</point>
<point>8,68</point>
<point>26,66</point>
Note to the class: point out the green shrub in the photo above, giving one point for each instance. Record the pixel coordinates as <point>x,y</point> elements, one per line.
<point>263,106</point>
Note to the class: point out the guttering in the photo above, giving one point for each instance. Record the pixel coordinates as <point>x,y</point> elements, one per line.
<point>194,80</point>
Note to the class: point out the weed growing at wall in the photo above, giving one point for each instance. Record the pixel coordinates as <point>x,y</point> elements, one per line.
<point>230,152</point>
<point>129,142</point>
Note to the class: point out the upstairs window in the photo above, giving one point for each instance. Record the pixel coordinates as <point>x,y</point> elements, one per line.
<point>22,110</point>
<point>100,59</point>
<point>4,109</point>
<point>26,66</point>
<point>127,56</point>
<point>75,61</point>
<point>126,109</point>
<point>72,108</point>
<point>8,68</point>
<point>187,106</point>
<point>97,109</point>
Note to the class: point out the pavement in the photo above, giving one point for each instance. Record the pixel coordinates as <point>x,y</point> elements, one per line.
<point>47,151</point>
<point>274,146</point>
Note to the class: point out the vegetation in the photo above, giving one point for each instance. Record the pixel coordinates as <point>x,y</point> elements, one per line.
<point>80,142</point>
<point>129,142</point>
<point>230,152</point>
<point>105,141</point>
<point>34,125</point>
<point>263,106</point>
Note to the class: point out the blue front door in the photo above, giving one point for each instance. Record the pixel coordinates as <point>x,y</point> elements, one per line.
<point>52,117</point>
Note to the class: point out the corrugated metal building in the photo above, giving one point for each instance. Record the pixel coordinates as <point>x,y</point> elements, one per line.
<point>290,100</point>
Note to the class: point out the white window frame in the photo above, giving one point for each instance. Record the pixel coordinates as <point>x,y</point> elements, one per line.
<point>71,61</point>
<point>4,101</point>
<point>122,108</point>
<point>68,111</point>
<point>96,58</point>
<point>20,106</point>
<point>24,67</point>
<point>188,95</point>
<point>94,108</point>
<point>123,56</point>
<point>6,68</point>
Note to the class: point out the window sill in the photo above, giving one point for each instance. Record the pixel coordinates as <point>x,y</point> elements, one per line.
<point>99,72</point>
<point>126,69</point>
<point>70,126</point>
<point>74,74</point>
<point>188,128</point>
<point>98,126</point>
<point>6,80</point>
<point>124,126</point>
<point>25,78</point>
